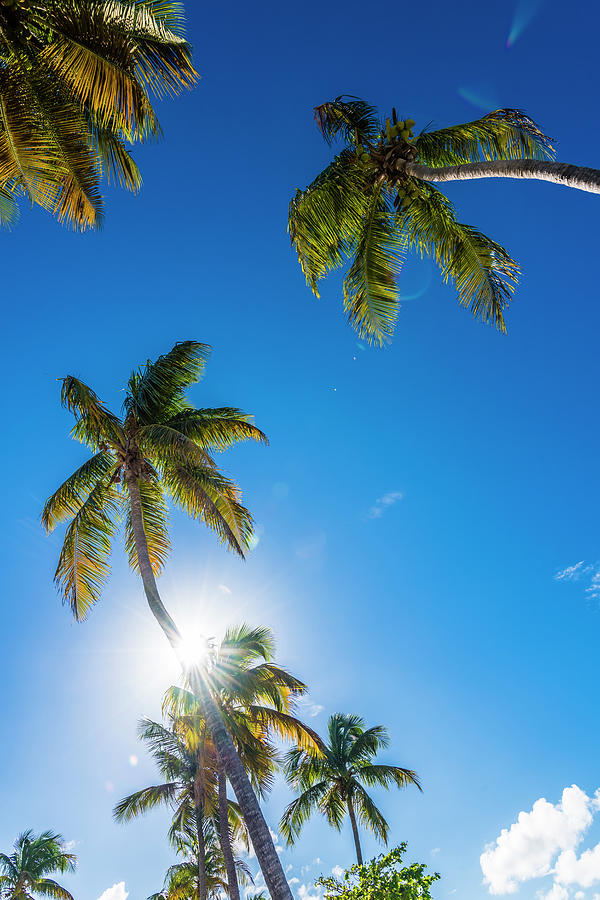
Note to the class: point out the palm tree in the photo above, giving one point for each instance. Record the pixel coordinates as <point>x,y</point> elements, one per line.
<point>256,701</point>
<point>186,758</point>
<point>24,874</point>
<point>182,879</point>
<point>75,83</point>
<point>332,779</point>
<point>376,200</point>
<point>160,446</point>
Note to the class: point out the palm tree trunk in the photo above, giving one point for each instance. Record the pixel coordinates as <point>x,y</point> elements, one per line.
<point>359,857</point>
<point>260,836</point>
<point>559,173</point>
<point>232,883</point>
<point>202,886</point>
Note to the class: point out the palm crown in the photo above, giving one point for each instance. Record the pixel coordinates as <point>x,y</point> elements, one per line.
<point>160,445</point>
<point>366,208</point>
<point>25,872</point>
<point>75,83</point>
<point>332,779</point>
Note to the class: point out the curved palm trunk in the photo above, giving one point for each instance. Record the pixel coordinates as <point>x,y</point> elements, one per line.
<point>352,815</point>
<point>262,842</point>
<point>559,173</point>
<point>232,883</point>
<point>202,886</point>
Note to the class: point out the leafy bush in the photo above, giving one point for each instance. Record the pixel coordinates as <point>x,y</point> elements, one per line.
<point>381,879</point>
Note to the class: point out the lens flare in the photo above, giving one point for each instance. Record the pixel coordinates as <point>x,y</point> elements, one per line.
<point>525,12</point>
<point>481,96</point>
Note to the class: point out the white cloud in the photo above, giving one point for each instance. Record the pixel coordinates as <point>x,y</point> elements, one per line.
<point>579,895</point>
<point>312,709</point>
<point>309,893</point>
<point>337,871</point>
<point>581,571</point>
<point>116,892</point>
<point>435,851</point>
<point>224,589</point>
<point>293,880</point>
<point>556,892</point>
<point>383,503</point>
<point>543,842</point>
<point>583,871</point>
<point>571,572</point>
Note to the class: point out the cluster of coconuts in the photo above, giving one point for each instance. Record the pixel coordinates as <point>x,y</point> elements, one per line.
<point>401,129</point>
<point>407,192</point>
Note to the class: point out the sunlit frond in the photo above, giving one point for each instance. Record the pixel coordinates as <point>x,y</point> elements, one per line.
<point>70,496</point>
<point>349,118</point>
<point>83,564</point>
<point>216,429</point>
<point>386,776</point>
<point>140,802</point>
<point>95,423</point>
<point>208,495</point>
<point>483,272</point>
<point>368,813</point>
<point>370,292</point>
<point>324,220</point>
<point>156,527</point>
<point>300,810</point>
<point>156,391</point>
<point>502,134</point>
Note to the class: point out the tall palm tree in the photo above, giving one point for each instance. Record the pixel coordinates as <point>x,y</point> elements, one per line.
<point>332,779</point>
<point>24,874</point>
<point>76,77</point>
<point>159,447</point>
<point>186,758</point>
<point>256,701</point>
<point>376,200</point>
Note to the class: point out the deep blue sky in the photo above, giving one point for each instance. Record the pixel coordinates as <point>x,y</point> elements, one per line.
<point>440,618</point>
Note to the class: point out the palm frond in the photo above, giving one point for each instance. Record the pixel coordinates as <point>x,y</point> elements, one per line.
<point>115,160</point>
<point>366,743</point>
<point>83,564</point>
<point>95,423</point>
<point>368,813</point>
<point>300,810</point>
<point>502,134</point>
<point>156,392</point>
<point>324,219</point>
<point>49,888</point>
<point>72,494</point>
<point>9,211</point>
<point>370,292</point>
<point>385,776</point>
<point>212,497</point>
<point>349,118</point>
<point>140,802</point>
<point>156,527</point>
<point>216,429</point>
<point>287,727</point>
<point>483,272</point>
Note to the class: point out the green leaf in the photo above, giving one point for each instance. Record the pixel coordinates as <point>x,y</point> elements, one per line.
<point>483,272</point>
<point>156,527</point>
<point>502,134</point>
<point>349,118</point>
<point>370,292</point>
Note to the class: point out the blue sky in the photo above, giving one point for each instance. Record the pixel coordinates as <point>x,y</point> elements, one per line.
<point>442,616</point>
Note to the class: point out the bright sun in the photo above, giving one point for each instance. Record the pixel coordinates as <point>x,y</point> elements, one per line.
<point>193,650</point>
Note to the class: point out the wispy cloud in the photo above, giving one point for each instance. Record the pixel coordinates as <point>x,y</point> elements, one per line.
<point>116,892</point>
<point>312,709</point>
<point>384,503</point>
<point>587,573</point>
